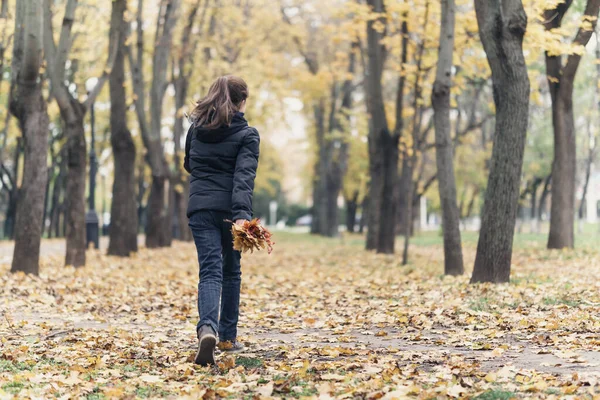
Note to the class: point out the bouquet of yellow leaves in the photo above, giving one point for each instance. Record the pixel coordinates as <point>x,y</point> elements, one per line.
<point>250,236</point>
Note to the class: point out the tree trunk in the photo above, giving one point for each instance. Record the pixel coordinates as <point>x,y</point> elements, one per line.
<point>75,192</point>
<point>29,107</point>
<point>141,193</point>
<point>158,232</point>
<point>11,214</point>
<point>124,223</point>
<point>72,112</point>
<point>55,210</point>
<point>542,206</point>
<point>351,207</point>
<point>502,26</point>
<point>440,99</point>
<point>319,214</point>
<point>364,217</point>
<point>181,230</point>
<point>564,166</point>
<point>383,145</point>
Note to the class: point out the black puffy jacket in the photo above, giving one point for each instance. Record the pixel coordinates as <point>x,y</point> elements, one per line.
<point>222,163</point>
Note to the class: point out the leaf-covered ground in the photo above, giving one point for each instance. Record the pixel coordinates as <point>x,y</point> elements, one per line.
<point>320,318</point>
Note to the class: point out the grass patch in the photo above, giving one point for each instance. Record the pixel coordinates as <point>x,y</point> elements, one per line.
<point>13,387</point>
<point>553,391</point>
<point>553,301</point>
<point>495,395</point>
<point>248,362</point>
<point>9,366</point>
<point>151,391</point>
<point>480,304</point>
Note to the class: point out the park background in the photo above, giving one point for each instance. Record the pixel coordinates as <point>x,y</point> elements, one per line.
<point>429,170</point>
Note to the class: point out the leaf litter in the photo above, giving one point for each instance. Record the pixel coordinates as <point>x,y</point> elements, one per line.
<point>320,319</point>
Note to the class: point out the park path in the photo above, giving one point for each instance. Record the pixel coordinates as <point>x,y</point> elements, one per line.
<point>49,247</point>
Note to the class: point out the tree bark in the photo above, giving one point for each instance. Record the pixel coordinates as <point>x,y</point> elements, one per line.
<point>440,99</point>
<point>57,206</point>
<point>73,113</point>
<point>159,223</point>
<point>544,197</point>
<point>29,107</point>
<point>564,166</point>
<point>124,222</point>
<point>75,191</point>
<point>383,144</point>
<point>351,208</point>
<point>502,26</point>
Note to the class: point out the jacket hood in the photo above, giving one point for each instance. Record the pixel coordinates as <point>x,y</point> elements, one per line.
<point>238,123</point>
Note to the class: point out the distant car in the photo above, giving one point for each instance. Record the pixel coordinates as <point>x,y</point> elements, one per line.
<point>305,220</point>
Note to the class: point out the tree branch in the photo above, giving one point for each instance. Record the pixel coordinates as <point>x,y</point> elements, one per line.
<point>582,38</point>
<point>113,48</point>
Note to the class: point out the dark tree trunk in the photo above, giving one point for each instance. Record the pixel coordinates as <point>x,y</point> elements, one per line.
<point>502,26</point>
<point>29,107</point>
<point>56,208</point>
<point>75,192</point>
<point>319,214</point>
<point>351,207</point>
<point>73,113</point>
<point>440,99</point>
<point>141,193</point>
<point>124,223</point>
<point>181,189</point>
<point>383,145</point>
<point>11,214</point>
<point>534,190</point>
<point>542,206</point>
<point>158,232</point>
<point>364,217</point>
<point>407,170</point>
<point>159,221</point>
<point>564,166</point>
<point>404,184</point>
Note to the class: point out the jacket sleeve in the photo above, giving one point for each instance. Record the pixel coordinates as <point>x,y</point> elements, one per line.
<point>243,177</point>
<point>188,144</point>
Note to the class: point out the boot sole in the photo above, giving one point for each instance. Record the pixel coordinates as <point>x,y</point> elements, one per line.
<point>206,350</point>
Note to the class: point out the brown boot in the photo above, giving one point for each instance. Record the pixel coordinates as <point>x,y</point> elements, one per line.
<point>231,346</point>
<point>207,341</point>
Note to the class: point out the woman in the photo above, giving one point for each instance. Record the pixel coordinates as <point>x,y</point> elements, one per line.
<point>221,154</point>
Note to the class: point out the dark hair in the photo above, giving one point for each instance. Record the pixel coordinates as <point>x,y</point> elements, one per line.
<point>224,98</point>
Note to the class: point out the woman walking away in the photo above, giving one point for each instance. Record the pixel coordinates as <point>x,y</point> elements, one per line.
<point>221,154</point>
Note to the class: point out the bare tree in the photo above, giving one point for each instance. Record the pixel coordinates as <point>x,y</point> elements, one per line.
<point>124,221</point>
<point>560,80</point>
<point>502,25</point>
<point>72,112</point>
<point>158,233</point>
<point>29,107</point>
<point>440,99</point>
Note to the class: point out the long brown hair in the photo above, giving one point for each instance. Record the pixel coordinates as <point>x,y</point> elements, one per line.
<point>224,98</point>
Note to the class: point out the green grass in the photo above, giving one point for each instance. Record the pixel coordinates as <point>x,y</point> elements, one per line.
<point>480,304</point>
<point>9,366</point>
<point>588,239</point>
<point>495,395</point>
<point>248,362</point>
<point>151,391</point>
<point>13,387</point>
<point>553,301</point>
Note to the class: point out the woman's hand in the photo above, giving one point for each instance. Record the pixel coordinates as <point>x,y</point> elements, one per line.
<point>240,222</point>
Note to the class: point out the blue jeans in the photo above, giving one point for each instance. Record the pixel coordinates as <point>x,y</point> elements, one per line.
<point>220,272</point>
